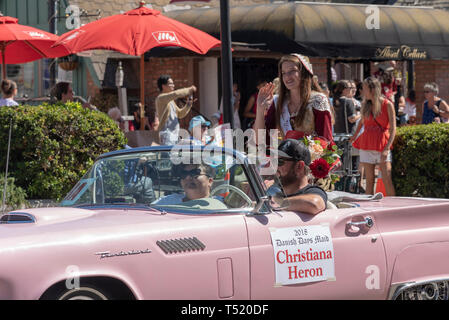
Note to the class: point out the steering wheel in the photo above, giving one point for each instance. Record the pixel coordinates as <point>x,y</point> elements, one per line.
<point>233,188</point>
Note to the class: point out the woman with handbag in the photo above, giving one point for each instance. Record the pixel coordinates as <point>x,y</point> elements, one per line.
<point>375,142</point>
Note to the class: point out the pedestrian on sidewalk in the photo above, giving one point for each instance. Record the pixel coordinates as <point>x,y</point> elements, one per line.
<point>345,112</point>
<point>168,111</point>
<point>9,91</point>
<point>410,107</point>
<point>376,140</point>
<point>251,106</point>
<point>434,109</point>
<point>63,92</point>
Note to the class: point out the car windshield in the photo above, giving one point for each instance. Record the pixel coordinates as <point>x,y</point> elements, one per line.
<point>158,179</point>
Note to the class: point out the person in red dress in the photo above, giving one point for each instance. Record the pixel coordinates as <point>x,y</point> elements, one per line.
<point>251,105</point>
<point>376,140</point>
<point>300,105</point>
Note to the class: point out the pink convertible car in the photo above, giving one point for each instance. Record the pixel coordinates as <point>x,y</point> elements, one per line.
<point>128,231</point>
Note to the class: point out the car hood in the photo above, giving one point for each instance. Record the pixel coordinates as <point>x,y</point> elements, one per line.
<point>62,219</point>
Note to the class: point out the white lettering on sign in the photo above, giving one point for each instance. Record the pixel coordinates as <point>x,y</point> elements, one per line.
<point>74,35</point>
<point>165,37</point>
<point>36,35</point>
<point>303,254</point>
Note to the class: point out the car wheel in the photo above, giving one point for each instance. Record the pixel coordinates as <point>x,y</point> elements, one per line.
<point>83,293</point>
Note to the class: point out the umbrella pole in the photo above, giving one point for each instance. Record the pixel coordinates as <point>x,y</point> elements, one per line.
<point>3,63</point>
<point>142,92</point>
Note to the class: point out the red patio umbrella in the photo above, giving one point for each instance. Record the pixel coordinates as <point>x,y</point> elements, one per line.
<point>134,33</point>
<point>21,44</point>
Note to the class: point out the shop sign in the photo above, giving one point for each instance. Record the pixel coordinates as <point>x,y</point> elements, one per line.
<point>402,52</point>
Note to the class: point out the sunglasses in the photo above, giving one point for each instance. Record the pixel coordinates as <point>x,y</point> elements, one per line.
<point>426,91</point>
<point>194,173</point>
<point>282,161</point>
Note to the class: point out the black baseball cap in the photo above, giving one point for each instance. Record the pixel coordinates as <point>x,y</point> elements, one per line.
<point>294,149</point>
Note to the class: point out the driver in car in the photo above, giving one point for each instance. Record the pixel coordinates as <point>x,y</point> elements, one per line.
<point>196,180</point>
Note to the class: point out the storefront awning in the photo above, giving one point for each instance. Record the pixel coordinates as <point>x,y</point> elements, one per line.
<point>333,30</point>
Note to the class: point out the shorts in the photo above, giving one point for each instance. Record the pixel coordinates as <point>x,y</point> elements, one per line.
<point>372,157</point>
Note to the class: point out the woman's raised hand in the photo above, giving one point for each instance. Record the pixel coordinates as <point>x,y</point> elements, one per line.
<point>265,97</point>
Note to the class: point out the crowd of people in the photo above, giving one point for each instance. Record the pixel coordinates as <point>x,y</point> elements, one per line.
<point>297,105</point>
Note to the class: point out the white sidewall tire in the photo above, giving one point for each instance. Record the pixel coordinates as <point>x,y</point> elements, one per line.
<point>83,293</point>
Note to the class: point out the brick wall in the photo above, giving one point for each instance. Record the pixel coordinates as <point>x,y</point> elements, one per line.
<point>319,66</point>
<point>180,69</point>
<point>431,71</point>
<point>184,72</point>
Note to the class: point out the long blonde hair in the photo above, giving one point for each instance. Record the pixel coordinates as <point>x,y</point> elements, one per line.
<point>307,84</point>
<point>372,106</point>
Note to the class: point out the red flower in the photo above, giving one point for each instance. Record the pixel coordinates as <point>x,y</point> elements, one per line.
<point>320,168</point>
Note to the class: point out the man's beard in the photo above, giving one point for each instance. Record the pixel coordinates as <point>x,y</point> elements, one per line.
<point>289,178</point>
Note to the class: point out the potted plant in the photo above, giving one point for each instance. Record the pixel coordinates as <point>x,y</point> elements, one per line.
<point>68,63</point>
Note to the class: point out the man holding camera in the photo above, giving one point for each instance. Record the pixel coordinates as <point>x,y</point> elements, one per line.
<point>167,110</point>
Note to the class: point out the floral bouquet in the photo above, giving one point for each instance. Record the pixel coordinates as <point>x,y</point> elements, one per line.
<point>325,158</point>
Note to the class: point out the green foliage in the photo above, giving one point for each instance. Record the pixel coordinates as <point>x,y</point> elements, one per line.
<point>421,161</point>
<point>113,181</point>
<point>52,146</point>
<point>15,196</point>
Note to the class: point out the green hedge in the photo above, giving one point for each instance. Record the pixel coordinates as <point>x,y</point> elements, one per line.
<point>15,196</point>
<point>421,161</point>
<point>52,146</point>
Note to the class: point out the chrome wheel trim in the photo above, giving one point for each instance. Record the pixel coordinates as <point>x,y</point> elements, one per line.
<point>80,296</point>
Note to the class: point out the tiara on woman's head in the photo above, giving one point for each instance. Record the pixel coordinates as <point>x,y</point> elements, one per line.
<point>305,62</point>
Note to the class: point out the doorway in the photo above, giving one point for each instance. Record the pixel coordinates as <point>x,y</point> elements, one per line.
<point>246,72</point>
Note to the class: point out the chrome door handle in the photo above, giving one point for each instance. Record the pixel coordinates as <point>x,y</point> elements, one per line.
<point>368,222</point>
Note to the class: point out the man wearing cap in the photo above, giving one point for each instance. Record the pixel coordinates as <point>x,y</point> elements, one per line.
<point>167,110</point>
<point>293,169</point>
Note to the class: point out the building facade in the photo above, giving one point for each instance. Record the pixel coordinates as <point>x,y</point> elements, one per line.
<point>94,75</point>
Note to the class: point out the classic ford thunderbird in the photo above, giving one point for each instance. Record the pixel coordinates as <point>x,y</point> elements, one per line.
<point>130,229</point>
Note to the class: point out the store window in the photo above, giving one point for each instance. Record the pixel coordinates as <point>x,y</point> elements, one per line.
<point>33,78</point>
<point>23,75</point>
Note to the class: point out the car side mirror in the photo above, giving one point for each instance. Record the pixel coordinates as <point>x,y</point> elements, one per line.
<point>277,201</point>
<point>277,198</point>
<point>263,201</point>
